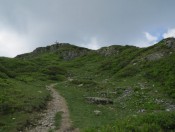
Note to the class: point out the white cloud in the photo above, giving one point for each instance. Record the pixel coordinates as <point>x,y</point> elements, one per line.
<point>148,40</point>
<point>169,33</point>
<point>92,44</point>
<point>150,37</point>
<point>12,43</point>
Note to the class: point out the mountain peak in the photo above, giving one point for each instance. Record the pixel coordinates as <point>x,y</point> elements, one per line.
<point>64,50</point>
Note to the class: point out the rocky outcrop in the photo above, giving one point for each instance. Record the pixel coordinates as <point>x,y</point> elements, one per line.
<point>52,48</point>
<point>170,42</point>
<point>108,51</point>
<point>162,49</point>
<point>154,56</point>
<point>65,51</point>
<point>114,50</point>
<point>71,54</point>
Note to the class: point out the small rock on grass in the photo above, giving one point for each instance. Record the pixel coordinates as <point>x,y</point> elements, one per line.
<point>97,112</point>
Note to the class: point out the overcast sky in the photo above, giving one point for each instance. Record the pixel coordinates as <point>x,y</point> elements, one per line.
<point>27,24</point>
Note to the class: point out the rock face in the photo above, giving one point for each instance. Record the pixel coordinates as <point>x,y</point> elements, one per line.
<point>154,56</point>
<point>170,42</point>
<point>165,48</point>
<point>65,51</point>
<point>114,50</point>
<point>71,54</point>
<point>108,51</point>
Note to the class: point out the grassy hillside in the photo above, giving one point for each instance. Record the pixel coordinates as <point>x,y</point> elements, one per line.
<point>139,81</point>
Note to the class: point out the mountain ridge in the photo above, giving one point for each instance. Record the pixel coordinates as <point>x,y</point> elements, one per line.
<point>139,81</point>
<point>68,51</point>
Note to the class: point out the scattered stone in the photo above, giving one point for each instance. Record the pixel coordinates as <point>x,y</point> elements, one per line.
<point>70,79</point>
<point>126,93</point>
<point>103,94</point>
<point>170,107</point>
<point>168,110</point>
<point>97,112</point>
<point>158,101</point>
<point>80,85</point>
<point>141,111</point>
<point>39,91</point>
<point>111,108</point>
<point>112,92</point>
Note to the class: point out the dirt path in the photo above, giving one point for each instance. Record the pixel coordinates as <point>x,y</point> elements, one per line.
<point>57,104</point>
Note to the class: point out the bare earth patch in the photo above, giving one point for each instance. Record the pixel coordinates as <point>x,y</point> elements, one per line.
<point>57,104</point>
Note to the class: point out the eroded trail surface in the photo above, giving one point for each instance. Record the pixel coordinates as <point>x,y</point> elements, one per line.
<point>57,104</point>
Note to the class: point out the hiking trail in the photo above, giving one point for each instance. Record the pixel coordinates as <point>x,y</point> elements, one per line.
<point>57,104</point>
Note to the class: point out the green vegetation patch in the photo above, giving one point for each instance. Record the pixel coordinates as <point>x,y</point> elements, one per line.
<point>58,118</point>
<point>82,113</point>
<point>154,122</point>
<point>19,102</point>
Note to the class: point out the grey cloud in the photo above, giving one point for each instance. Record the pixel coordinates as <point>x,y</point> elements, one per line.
<point>42,22</point>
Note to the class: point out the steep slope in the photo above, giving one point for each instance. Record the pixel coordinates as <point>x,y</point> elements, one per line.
<point>139,81</point>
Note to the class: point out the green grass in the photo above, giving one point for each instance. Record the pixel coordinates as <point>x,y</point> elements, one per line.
<point>141,89</point>
<point>76,95</point>
<point>58,120</point>
<point>154,122</point>
<point>57,123</point>
<point>81,112</point>
<point>134,103</point>
<point>19,103</point>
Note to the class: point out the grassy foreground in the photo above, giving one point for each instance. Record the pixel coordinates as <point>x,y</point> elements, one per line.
<point>19,103</point>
